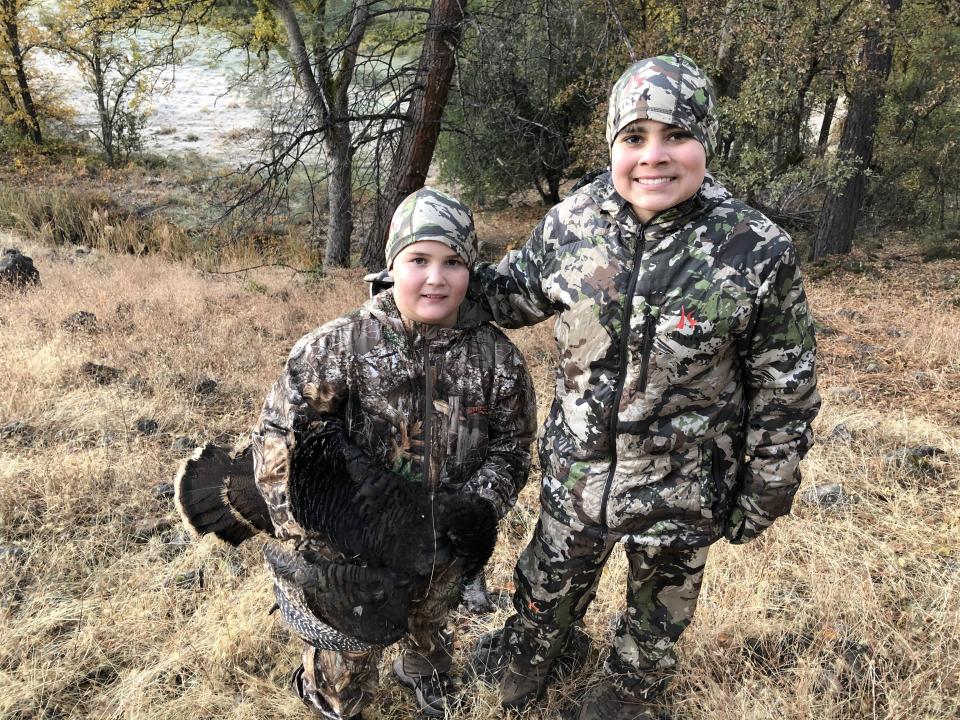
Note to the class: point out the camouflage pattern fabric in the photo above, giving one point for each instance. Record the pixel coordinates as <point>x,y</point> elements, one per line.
<point>429,214</point>
<point>343,682</point>
<point>470,433</point>
<point>686,382</point>
<point>449,407</point>
<point>556,579</point>
<point>670,89</point>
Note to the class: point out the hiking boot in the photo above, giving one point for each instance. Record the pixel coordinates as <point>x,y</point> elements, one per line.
<point>523,684</point>
<point>435,693</point>
<point>607,701</point>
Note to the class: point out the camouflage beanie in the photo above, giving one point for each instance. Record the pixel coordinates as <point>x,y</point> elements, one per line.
<point>670,89</point>
<point>429,214</point>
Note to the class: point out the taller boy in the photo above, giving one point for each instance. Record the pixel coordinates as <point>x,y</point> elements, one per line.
<point>685,387</point>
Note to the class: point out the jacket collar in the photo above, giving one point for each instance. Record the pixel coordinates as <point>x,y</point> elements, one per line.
<point>384,308</point>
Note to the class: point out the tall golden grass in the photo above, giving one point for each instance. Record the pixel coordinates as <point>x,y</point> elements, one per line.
<point>849,611</point>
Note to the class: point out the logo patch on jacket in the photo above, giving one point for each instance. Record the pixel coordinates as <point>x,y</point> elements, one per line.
<point>686,320</point>
<point>478,410</point>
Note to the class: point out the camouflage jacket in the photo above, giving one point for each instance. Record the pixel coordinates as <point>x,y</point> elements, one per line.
<point>686,383</point>
<point>460,396</point>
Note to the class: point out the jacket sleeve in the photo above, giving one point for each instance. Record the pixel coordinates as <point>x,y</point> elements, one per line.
<point>782,401</point>
<point>312,384</point>
<point>511,291</point>
<point>512,427</point>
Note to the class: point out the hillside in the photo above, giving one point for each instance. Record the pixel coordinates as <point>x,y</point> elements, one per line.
<point>850,608</point>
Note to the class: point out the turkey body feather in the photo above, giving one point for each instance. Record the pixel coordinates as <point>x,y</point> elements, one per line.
<point>386,538</point>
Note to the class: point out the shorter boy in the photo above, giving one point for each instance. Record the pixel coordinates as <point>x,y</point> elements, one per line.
<point>685,387</point>
<point>426,388</point>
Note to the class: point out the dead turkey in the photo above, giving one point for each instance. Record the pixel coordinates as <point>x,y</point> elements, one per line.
<point>375,541</point>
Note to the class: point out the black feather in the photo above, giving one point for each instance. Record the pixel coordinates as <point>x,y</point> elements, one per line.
<point>216,493</point>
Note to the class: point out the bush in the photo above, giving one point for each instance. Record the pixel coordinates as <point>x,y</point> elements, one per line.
<point>71,217</point>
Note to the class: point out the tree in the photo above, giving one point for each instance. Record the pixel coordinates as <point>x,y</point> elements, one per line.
<point>19,99</point>
<point>119,64</point>
<point>523,87</point>
<point>418,139</point>
<point>917,149</point>
<point>351,84</point>
<point>841,208</point>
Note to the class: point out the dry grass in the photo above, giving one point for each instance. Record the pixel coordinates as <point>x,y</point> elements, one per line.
<point>843,612</point>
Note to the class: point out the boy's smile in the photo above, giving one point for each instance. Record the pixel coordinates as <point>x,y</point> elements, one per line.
<point>656,166</point>
<point>429,283</point>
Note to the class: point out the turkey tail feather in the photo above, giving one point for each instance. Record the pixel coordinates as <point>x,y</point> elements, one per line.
<point>215,492</point>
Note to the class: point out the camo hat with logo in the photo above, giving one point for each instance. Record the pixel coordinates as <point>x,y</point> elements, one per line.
<point>670,89</point>
<point>430,214</point>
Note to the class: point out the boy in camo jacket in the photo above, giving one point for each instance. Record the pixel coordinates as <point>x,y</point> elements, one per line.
<point>427,388</point>
<point>685,388</point>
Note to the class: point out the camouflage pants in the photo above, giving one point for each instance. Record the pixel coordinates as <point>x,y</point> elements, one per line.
<point>345,682</point>
<point>556,579</point>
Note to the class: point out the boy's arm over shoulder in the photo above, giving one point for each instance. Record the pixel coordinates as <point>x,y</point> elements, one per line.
<point>512,290</point>
<point>512,426</point>
<point>313,383</point>
<point>782,398</point>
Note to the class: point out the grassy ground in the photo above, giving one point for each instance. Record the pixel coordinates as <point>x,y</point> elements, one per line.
<point>848,611</point>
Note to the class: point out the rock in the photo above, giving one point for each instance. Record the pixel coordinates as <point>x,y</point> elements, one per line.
<point>914,458</point>
<point>13,553</point>
<point>80,320</point>
<point>894,332</point>
<point>867,349</point>
<point>147,426</point>
<point>183,444</point>
<point>100,374</point>
<point>176,544</point>
<point>17,269</point>
<point>849,314</point>
<point>823,330</point>
<point>163,490</point>
<point>18,430</point>
<point>830,495</point>
<point>874,366</point>
<point>149,527</point>
<point>205,386</point>
<point>843,392</point>
<point>137,383</point>
<point>840,434</point>
<point>188,579</point>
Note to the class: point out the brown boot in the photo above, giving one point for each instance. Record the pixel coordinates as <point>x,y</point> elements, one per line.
<point>522,684</point>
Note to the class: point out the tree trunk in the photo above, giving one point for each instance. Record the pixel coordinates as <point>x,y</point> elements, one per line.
<point>12,33</point>
<point>841,208</point>
<point>328,93</point>
<point>725,79</point>
<point>11,100</point>
<point>418,139</point>
<point>828,110</point>
<point>793,152</point>
<point>103,112</point>
<point>339,196</point>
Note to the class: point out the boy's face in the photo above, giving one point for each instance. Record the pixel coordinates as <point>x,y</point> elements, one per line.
<point>656,166</point>
<point>429,283</point>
